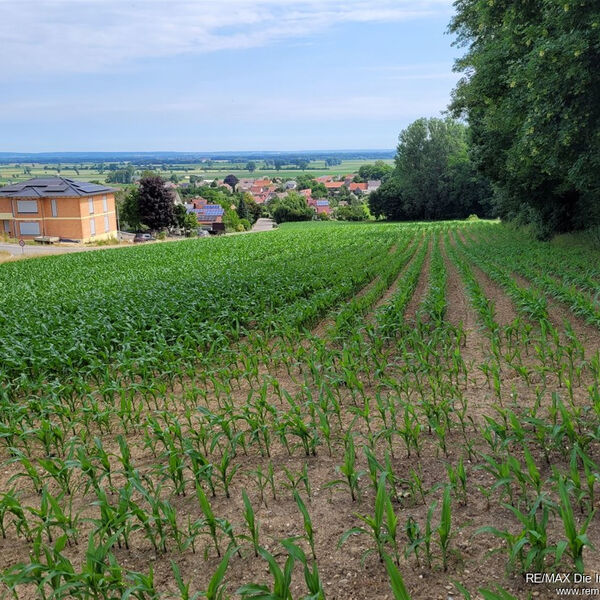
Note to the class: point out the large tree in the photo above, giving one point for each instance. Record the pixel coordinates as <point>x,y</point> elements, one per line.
<point>530,92</point>
<point>434,177</point>
<point>377,170</point>
<point>231,180</point>
<point>292,207</point>
<point>156,203</point>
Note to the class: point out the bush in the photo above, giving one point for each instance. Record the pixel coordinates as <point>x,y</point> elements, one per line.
<point>240,227</point>
<point>472,218</point>
<point>162,235</point>
<point>245,224</point>
<point>323,216</point>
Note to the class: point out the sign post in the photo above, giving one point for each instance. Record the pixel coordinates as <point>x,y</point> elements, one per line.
<point>22,244</point>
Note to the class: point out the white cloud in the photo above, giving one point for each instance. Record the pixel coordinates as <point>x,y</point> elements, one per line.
<point>250,109</point>
<point>82,36</point>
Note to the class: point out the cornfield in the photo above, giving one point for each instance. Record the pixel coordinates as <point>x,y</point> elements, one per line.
<point>323,411</point>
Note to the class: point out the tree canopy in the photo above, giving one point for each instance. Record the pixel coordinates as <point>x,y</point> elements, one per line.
<point>156,203</point>
<point>530,92</point>
<point>434,176</point>
<point>292,207</point>
<point>231,180</point>
<point>377,170</point>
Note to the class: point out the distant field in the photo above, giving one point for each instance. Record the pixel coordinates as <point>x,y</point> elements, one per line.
<point>88,171</point>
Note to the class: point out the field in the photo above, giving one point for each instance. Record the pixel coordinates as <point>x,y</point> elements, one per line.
<point>218,170</point>
<point>321,411</point>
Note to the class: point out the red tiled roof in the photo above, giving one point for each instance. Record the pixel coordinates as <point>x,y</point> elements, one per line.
<point>358,186</point>
<point>334,185</point>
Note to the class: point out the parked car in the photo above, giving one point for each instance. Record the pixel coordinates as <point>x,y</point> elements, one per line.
<point>143,237</point>
<point>203,233</point>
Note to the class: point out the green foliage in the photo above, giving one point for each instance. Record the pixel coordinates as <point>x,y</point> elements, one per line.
<point>121,175</point>
<point>292,207</point>
<point>434,176</point>
<point>376,171</point>
<point>530,94</point>
<point>156,203</point>
<point>359,212</point>
<point>130,210</point>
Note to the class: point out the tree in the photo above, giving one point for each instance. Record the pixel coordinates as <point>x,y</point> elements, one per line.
<point>156,203</point>
<point>231,180</point>
<point>302,163</point>
<point>254,209</point>
<point>188,221</point>
<point>278,162</point>
<point>357,212</point>
<point>292,207</point>
<point>378,170</point>
<point>434,177</point>
<point>130,210</point>
<point>251,166</point>
<point>242,209</point>
<point>121,175</point>
<point>530,94</point>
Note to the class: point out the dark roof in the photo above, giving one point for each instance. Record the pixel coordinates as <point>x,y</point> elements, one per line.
<point>49,187</point>
<point>209,212</point>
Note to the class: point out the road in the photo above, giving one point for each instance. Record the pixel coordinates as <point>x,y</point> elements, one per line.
<point>263,225</point>
<point>47,249</point>
<point>28,250</point>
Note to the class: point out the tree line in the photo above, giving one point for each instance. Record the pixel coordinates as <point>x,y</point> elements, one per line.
<point>526,145</point>
<point>530,91</point>
<point>434,176</point>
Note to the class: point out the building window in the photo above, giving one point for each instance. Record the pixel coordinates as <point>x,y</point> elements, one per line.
<point>30,228</point>
<point>92,227</point>
<point>91,205</point>
<point>54,207</point>
<point>106,224</point>
<point>27,206</point>
<point>104,203</point>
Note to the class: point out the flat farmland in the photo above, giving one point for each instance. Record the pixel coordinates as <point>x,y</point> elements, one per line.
<point>322,411</point>
<point>216,170</point>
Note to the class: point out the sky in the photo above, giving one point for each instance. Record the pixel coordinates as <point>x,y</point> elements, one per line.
<point>119,75</point>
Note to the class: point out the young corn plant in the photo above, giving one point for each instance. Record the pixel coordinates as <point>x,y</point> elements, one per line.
<point>376,526</point>
<point>312,577</point>
<point>444,530</point>
<point>251,523</point>
<point>348,470</point>
<point>308,526</point>
<point>282,581</point>
<point>396,581</point>
<point>577,538</point>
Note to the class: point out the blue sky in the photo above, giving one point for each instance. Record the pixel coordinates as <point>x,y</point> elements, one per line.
<point>116,75</point>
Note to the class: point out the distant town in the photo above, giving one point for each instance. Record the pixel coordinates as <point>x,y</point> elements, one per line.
<point>103,202</point>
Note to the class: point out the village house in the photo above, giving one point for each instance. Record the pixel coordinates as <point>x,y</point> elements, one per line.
<point>262,190</point>
<point>334,186</point>
<point>57,208</point>
<point>320,205</point>
<point>206,213</point>
<point>358,187</point>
